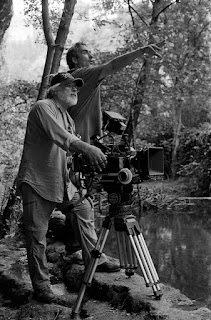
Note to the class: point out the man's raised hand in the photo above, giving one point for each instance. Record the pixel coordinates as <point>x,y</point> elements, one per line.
<point>153,49</point>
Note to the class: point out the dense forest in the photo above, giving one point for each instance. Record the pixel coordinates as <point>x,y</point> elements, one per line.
<point>168,99</point>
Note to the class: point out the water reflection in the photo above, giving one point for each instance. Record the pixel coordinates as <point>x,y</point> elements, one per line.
<point>180,246</point>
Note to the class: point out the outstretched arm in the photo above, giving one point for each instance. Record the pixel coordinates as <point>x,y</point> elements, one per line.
<point>126,59</point>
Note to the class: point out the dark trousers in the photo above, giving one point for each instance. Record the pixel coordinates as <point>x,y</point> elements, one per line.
<point>36,215</point>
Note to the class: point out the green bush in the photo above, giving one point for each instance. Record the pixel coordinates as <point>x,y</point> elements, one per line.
<point>195,159</point>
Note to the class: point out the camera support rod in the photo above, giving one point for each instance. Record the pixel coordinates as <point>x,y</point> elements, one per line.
<point>132,250</point>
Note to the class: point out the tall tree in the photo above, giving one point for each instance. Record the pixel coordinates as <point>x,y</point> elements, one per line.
<point>187,64</point>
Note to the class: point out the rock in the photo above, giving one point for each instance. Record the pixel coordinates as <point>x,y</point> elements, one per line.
<point>41,311</point>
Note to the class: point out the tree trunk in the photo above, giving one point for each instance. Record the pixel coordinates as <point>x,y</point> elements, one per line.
<point>177,111</point>
<point>50,51</point>
<point>55,48</point>
<point>177,123</point>
<point>62,34</point>
<point>46,72</point>
<point>6,13</point>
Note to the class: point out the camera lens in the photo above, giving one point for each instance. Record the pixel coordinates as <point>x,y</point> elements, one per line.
<point>125,176</point>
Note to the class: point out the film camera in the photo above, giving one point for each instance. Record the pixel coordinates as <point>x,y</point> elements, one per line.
<point>125,165</point>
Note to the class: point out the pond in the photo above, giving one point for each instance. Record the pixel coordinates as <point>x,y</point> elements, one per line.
<point>180,246</point>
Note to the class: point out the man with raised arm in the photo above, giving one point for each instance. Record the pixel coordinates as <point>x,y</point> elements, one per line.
<point>87,112</point>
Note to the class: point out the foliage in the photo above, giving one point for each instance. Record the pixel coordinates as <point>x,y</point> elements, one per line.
<point>186,62</point>
<point>33,14</point>
<point>195,158</point>
<point>183,73</point>
<point>155,198</point>
<point>16,100</point>
<point>11,218</point>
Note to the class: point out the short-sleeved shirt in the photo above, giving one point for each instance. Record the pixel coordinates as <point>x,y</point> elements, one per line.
<point>49,134</point>
<point>87,113</point>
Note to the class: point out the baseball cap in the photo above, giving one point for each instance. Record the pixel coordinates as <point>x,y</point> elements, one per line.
<point>66,77</point>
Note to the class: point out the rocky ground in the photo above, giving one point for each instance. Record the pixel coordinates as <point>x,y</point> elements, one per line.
<point>111,296</point>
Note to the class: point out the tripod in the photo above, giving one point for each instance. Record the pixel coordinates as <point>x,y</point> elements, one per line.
<point>132,251</point>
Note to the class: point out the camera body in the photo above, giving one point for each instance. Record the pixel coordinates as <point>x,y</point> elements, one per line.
<point>125,165</point>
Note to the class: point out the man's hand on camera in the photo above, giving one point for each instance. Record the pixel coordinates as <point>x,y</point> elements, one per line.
<point>153,49</point>
<point>95,157</point>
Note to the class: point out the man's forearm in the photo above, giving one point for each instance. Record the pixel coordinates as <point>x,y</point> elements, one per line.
<point>79,146</point>
<point>120,62</point>
<point>126,59</point>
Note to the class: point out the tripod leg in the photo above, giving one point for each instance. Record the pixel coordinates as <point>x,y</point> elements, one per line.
<point>120,250</point>
<point>96,254</point>
<point>142,255</point>
<point>149,267</point>
<point>139,260</point>
<point>148,257</point>
<point>132,261</point>
<point>150,276</point>
<point>126,255</point>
